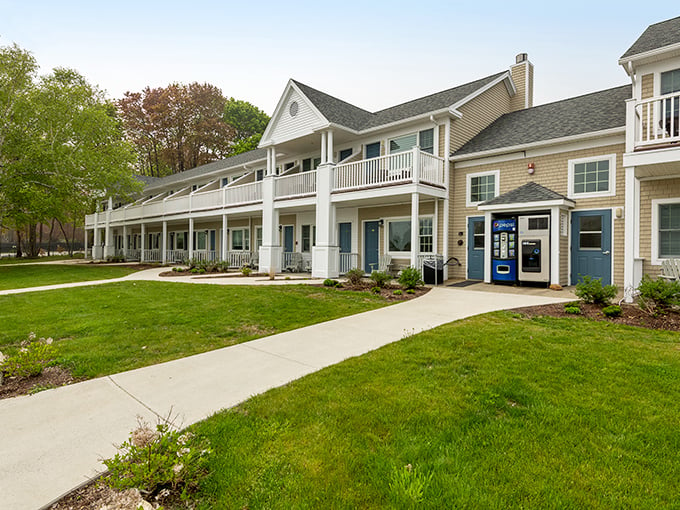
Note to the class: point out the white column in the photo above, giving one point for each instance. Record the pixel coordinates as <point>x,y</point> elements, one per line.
<point>415,228</point>
<point>630,237</point>
<point>447,166</point>
<point>190,241</point>
<point>330,148</point>
<point>270,251</point>
<point>326,253</point>
<point>108,238</point>
<point>630,124</point>
<point>324,149</point>
<point>416,164</point>
<point>487,247</point>
<point>96,248</point>
<point>125,241</point>
<point>143,244</point>
<point>555,253</point>
<point>225,237</point>
<point>164,243</point>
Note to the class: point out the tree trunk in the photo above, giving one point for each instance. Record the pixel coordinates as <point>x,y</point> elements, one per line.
<point>73,240</point>
<point>68,244</point>
<point>18,236</point>
<point>49,241</point>
<point>32,252</point>
<point>40,237</point>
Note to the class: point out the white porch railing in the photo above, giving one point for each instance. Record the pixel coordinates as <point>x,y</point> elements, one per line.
<point>238,259</point>
<point>176,256</point>
<point>205,255</point>
<point>299,184</point>
<point>296,262</point>
<point>132,254</point>
<point>152,255</point>
<point>348,261</point>
<point>373,172</point>
<point>243,194</point>
<point>206,200</point>
<point>431,169</point>
<point>657,120</point>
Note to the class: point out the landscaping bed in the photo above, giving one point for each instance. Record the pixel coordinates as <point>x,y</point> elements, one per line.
<point>51,377</point>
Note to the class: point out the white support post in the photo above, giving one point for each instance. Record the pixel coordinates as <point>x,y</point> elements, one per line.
<point>326,253</point>
<point>630,124</point>
<point>164,243</point>
<point>447,167</point>
<point>108,238</point>
<point>555,253</point>
<point>270,251</point>
<point>416,164</point>
<point>415,228</point>
<point>225,237</point>
<point>125,241</point>
<point>630,236</point>
<point>487,246</point>
<point>191,238</point>
<point>330,148</point>
<point>324,148</point>
<point>95,246</point>
<point>143,243</point>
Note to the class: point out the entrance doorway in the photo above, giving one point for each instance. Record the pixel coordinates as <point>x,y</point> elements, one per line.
<point>475,252</point>
<point>591,245</point>
<point>371,249</point>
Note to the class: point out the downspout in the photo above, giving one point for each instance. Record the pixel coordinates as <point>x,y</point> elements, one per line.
<point>447,184</point>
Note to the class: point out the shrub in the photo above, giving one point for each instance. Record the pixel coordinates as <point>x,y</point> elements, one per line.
<point>115,258</point>
<point>375,290</point>
<point>246,271</point>
<point>329,282</point>
<point>612,311</point>
<point>572,309</point>
<point>397,292</point>
<point>658,296</point>
<point>410,291</point>
<point>380,278</point>
<point>158,460</point>
<point>31,359</point>
<point>591,290</point>
<point>354,276</point>
<point>410,278</point>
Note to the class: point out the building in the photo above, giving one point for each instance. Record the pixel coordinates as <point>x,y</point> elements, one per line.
<point>591,183</point>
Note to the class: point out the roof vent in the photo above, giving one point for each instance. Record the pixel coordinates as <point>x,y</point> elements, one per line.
<point>521,57</point>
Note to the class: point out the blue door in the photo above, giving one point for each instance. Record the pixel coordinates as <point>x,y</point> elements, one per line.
<point>370,246</point>
<point>288,241</point>
<point>345,237</point>
<point>475,254</point>
<point>591,244</point>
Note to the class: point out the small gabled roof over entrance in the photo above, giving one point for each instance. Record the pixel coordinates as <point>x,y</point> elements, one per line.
<point>529,194</point>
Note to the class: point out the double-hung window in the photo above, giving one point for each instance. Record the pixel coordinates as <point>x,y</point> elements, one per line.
<point>670,83</point>
<point>310,164</point>
<point>592,177</point>
<point>424,139</point>
<point>481,186</point>
<point>308,237</point>
<point>665,229</point>
<point>240,239</point>
<point>399,236</point>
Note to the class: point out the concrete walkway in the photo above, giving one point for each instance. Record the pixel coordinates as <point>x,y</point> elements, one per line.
<point>53,441</point>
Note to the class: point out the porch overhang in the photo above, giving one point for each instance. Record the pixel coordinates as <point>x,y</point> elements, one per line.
<point>528,197</point>
<point>564,203</point>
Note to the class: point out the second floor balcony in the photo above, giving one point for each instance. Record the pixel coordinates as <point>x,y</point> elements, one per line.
<point>653,123</point>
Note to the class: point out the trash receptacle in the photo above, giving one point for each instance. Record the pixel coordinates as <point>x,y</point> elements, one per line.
<point>433,271</point>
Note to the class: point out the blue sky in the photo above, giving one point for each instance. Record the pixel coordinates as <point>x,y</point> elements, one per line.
<point>372,54</point>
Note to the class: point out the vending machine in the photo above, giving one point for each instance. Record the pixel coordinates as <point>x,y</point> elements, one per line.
<point>504,255</point>
<point>534,246</point>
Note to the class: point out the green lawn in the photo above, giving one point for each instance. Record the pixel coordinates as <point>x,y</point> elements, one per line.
<point>24,260</point>
<point>491,412</point>
<point>104,329</point>
<point>19,276</point>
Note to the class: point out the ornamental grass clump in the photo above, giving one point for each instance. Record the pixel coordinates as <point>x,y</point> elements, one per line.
<point>160,462</point>
<point>31,359</point>
<point>380,278</point>
<point>410,278</point>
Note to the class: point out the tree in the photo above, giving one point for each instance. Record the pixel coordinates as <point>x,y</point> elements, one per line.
<point>247,120</point>
<point>61,149</point>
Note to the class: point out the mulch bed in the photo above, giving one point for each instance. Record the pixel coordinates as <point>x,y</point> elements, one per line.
<point>387,292</point>
<point>631,315</point>
<point>51,377</point>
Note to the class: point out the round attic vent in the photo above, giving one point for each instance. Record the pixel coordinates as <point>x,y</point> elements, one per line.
<point>293,109</point>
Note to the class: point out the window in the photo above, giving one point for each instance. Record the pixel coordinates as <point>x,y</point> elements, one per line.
<point>592,177</point>
<point>482,187</point>
<point>225,181</point>
<point>424,139</point>
<point>670,83</point>
<point>590,233</point>
<point>310,164</point>
<point>201,239</point>
<point>258,238</point>
<point>669,230</point>
<point>308,237</point>
<point>259,175</point>
<point>344,154</point>
<point>373,150</point>
<point>240,239</point>
<point>478,235</point>
<point>179,240</point>
<point>399,235</point>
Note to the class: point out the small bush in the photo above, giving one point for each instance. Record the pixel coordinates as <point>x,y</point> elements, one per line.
<point>397,292</point>
<point>31,359</point>
<point>375,290</point>
<point>380,278</point>
<point>410,278</point>
<point>658,296</point>
<point>612,311</point>
<point>115,258</point>
<point>178,269</point>
<point>572,309</point>
<point>246,271</point>
<point>158,460</point>
<point>410,291</point>
<point>329,282</point>
<point>354,276</point>
<point>591,290</point>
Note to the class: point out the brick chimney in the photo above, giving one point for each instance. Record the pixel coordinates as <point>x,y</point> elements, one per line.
<point>523,77</point>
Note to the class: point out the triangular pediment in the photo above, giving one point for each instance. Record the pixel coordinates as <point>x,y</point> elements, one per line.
<point>295,116</point>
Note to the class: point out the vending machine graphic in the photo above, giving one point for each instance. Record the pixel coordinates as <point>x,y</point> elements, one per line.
<point>504,255</point>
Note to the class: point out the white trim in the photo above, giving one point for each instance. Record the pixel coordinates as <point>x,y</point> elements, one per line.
<point>611,237</point>
<point>505,76</point>
<point>649,54</point>
<point>405,254</point>
<point>656,260</point>
<point>553,141</point>
<point>527,206</point>
<point>611,192</point>
<point>468,182</point>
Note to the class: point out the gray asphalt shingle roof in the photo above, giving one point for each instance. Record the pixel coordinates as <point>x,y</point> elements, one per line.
<point>234,161</point>
<point>353,117</point>
<point>598,111</point>
<point>656,36</point>
<point>529,192</point>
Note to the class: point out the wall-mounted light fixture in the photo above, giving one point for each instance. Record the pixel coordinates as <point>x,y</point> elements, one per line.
<point>381,223</point>
<point>531,168</point>
<point>280,228</point>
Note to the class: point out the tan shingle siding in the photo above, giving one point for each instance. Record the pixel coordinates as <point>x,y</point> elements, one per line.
<point>647,86</point>
<point>653,190</point>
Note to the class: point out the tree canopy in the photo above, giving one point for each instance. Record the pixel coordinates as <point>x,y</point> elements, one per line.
<point>179,127</point>
<point>61,146</point>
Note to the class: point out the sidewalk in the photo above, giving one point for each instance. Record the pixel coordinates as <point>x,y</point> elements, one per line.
<point>54,440</point>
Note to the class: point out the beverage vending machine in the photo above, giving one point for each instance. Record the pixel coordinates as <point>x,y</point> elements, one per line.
<point>504,255</point>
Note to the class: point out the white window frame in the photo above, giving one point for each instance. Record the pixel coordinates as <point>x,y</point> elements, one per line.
<point>612,177</point>
<point>231,238</point>
<point>656,259</point>
<point>404,254</point>
<point>435,139</point>
<point>468,186</point>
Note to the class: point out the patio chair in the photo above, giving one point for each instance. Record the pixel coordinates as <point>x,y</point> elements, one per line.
<point>670,269</point>
<point>385,263</point>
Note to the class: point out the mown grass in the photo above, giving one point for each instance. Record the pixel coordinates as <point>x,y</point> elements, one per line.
<point>492,412</point>
<point>25,260</point>
<point>20,276</point>
<point>109,328</point>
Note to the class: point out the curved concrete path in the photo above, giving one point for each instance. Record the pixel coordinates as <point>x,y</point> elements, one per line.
<point>53,441</point>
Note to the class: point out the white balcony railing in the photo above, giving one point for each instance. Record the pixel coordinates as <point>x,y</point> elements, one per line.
<point>207,200</point>
<point>294,185</point>
<point>431,169</point>
<point>244,194</point>
<point>152,255</point>
<point>348,261</point>
<point>176,256</point>
<point>657,120</point>
<point>205,255</point>
<point>238,259</point>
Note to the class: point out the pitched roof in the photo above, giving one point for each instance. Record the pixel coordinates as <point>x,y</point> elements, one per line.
<point>529,192</point>
<point>353,117</point>
<point>664,33</point>
<point>598,111</point>
<point>234,161</point>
